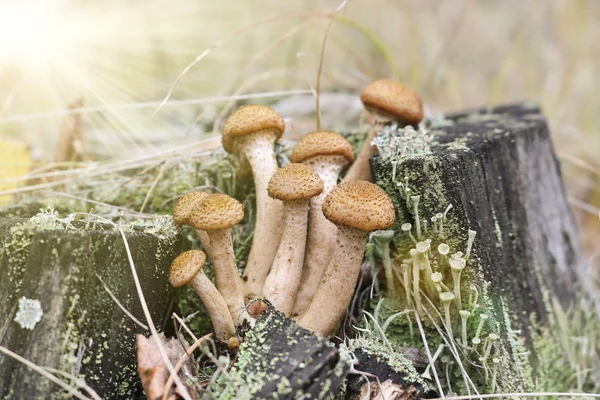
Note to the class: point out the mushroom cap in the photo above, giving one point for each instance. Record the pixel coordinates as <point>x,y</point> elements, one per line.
<point>216,211</point>
<point>322,143</point>
<point>393,99</point>
<point>295,182</point>
<point>185,267</point>
<point>185,205</point>
<point>360,205</point>
<point>251,119</point>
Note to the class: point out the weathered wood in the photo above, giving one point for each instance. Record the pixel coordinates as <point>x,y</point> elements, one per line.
<point>281,360</point>
<point>498,170</point>
<point>82,331</point>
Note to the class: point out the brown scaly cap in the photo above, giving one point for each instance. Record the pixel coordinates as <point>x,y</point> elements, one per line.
<point>360,205</point>
<point>295,182</point>
<point>216,211</point>
<point>185,205</point>
<point>322,143</point>
<point>185,267</point>
<point>393,99</point>
<point>251,119</point>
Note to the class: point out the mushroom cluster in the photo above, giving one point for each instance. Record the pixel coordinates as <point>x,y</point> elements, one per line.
<point>310,232</point>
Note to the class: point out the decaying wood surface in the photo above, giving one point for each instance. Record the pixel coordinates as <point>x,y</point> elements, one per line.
<point>82,330</point>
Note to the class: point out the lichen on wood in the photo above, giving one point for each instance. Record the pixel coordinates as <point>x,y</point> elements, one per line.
<point>68,265</point>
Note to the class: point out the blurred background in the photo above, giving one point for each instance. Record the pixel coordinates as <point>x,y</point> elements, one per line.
<point>103,67</point>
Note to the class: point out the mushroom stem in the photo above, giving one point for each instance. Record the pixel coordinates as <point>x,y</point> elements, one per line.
<point>321,233</point>
<point>283,281</point>
<point>215,305</point>
<point>258,149</point>
<point>227,279</point>
<point>331,300</point>
<point>205,241</point>
<point>361,170</point>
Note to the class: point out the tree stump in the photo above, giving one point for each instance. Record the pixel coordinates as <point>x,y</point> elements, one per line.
<point>498,170</point>
<point>82,331</point>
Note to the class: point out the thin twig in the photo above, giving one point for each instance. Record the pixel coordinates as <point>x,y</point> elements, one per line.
<point>112,296</point>
<point>179,364</point>
<point>44,373</point>
<point>517,395</point>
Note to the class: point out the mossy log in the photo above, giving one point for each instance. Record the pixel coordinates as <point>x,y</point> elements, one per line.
<point>82,332</point>
<point>281,360</point>
<point>498,170</point>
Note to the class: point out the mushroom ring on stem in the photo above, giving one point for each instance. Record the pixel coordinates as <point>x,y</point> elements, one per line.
<point>328,154</point>
<point>252,130</point>
<point>187,269</point>
<point>216,214</point>
<point>357,208</point>
<point>181,214</point>
<point>295,185</point>
<point>387,101</point>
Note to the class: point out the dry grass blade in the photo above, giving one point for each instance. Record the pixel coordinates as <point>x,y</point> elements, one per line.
<point>44,373</point>
<point>517,395</point>
<point>183,359</point>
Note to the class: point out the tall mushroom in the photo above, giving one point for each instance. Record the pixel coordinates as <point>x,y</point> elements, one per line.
<point>387,101</point>
<point>181,214</point>
<point>294,185</point>
<point>357,208</point>
<point>187,269</point>
<point>216,214</point>
<point>252,130</point>
<point>328,154</point>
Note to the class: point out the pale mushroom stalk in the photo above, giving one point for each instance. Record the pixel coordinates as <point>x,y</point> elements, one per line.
<point>329,304</point>
<point>215,305</point>
<point>187,269</point>
<point>269,212</point>
<point>227,279</point>
<point>361,170</point>
<point>294,185</point>
<point>321,233</point>
<point>283,281</point>
<point>328,154</point>
<point>252,130</point>
<point>216,214</point>
<point>356,208</point>
<point>387,101</point>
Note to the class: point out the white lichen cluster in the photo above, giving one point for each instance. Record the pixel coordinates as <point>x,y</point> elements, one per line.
<point>397,143</point>
<point>29,314</point>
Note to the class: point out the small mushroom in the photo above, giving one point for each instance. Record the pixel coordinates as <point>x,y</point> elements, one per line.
<point>387,101</point>
<point>181,214</point>
<point>187,269</point>
<point>252,130</point>
<point>216,214</point>
<point>357,208</point>
<point>328,154</point>
<point>294,185</point>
